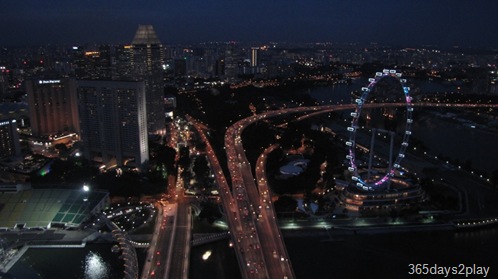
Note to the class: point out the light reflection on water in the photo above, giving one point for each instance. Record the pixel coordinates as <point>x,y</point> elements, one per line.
<point>94,261</point>
<point>221,263</point>
<point>95,267</point>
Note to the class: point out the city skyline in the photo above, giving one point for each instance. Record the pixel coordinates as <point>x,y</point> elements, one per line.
<point>248,139</point>
<point>444,23</point>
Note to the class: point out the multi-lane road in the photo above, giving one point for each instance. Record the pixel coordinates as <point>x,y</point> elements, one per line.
<point>250,215</point>
<point>247,247</point>
<point>275,261</point>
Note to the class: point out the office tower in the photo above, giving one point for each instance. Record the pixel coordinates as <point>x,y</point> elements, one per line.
<point>492,82</point>
<point>9,139</point>
<point>92,64</point>
<point>103,63</point>
<point>52,106</point>
<point>113,122</point>
<point>78,61</point>
<point>3,82</point>
<point>254,56</point>
<point>210,58</point>
<point>219,69</point>
<point>231,63</point>
<point>180,67</point>
<point>147,62</point>
<point>121,63</point>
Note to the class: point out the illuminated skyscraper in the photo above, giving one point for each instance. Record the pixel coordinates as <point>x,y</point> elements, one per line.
<point>52,106</point>
<point>254,56</point>
<point>113,122</point>
<point>147,61</point>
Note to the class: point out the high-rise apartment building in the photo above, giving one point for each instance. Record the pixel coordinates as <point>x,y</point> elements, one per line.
<point>113,122</point>
<point>52,106</point>
<point>9,139</point>
<point>147,64</point>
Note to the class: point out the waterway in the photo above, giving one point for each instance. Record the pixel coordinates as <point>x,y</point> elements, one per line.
<point>385,255</point>
<point>94,261</point>
<point>221,263</point>
<point>453,140</point>
<point>389,255</point>
<point>458,141</point>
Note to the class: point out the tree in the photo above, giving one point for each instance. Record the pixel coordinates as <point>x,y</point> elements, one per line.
<point>285,204</point>
<point>494,177</point>
<point>184,160</point>
<point>61,147</point>
<point>201,169</point>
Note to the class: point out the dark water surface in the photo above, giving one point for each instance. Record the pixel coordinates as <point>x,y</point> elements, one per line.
<point>95,261</point>
<point>389,255</point>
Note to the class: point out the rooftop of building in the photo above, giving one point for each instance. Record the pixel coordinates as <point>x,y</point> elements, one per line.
<point>145,35</point>
<point>44,207</point>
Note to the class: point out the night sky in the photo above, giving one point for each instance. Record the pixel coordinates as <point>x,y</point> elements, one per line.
<point>399,23</point>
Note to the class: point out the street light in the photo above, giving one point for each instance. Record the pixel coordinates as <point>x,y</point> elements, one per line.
<point>86,189</point>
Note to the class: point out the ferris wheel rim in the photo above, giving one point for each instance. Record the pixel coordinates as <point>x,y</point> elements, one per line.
<point>354,126</point>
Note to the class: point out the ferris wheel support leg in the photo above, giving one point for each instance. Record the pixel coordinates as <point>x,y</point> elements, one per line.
<point>390,156</point>
<point>391,150</point>
<point>372,144</point>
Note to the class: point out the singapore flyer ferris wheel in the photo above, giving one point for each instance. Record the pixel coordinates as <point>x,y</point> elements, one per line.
<point>379,183</point>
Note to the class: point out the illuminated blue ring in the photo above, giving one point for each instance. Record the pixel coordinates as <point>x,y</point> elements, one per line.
<point>354,126</point>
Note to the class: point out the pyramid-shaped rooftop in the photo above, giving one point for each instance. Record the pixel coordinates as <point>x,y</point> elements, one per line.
<point>145,35</point>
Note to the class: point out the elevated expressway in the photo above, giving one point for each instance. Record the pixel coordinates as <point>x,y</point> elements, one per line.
<point>244,240</point>
<point>260,248</point>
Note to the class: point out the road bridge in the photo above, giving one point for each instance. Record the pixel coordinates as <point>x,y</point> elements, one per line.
<point>244,206</point>
<point>205,238</point>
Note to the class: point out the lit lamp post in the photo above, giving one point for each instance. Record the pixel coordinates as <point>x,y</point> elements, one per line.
<point>86,189</point>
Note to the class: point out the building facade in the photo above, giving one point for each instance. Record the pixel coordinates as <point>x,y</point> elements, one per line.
<point>147,63</point>
<point>113,122</point>
<point>52,106</point>
<point>121,63</point>
<point>254,56</point>
<point>3,81</point>
<point>231,63</point>
<point>9,139</point>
